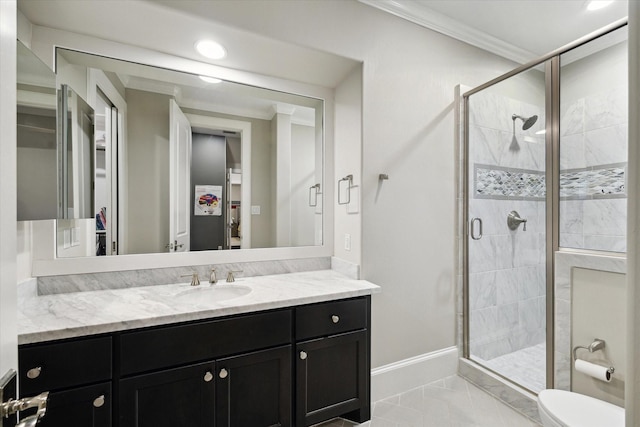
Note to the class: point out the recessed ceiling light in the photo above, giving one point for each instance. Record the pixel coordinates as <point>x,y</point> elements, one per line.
<point>210,79</point>
<point>598,4</point>
<point>211,49</point>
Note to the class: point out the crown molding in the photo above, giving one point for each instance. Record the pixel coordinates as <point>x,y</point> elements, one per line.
<point>422,15</point>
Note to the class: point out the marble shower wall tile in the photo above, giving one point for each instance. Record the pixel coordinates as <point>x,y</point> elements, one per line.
<point>605,217</point>
<point>606,145</point>
<point>48,285</point>
<point>607,108</point>
<point>572,153</point>
<point>572,117</point>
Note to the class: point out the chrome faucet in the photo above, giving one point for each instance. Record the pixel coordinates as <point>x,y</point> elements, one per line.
<point>212,277</point>
<point>195,280</point>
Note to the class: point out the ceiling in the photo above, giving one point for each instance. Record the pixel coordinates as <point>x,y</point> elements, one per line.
<point>520,30</point>
<point>175,32</point>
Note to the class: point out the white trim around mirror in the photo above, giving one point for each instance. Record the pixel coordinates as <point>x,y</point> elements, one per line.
<point>44,43</point>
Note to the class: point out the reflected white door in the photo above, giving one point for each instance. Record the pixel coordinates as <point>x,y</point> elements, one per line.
<point>180,180</point>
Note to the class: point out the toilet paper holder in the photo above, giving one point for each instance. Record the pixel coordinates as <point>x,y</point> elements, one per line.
<point>596,345</point>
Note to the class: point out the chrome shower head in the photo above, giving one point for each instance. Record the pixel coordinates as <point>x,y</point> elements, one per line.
<point>528,121</point>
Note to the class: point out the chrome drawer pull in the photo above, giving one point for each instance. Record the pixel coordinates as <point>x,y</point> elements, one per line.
<point>223,373</point>
<point>208,376</point>
<point>34,373</point>
<point>303,355</point>
<point>98,401</point>
<point>335,319</point>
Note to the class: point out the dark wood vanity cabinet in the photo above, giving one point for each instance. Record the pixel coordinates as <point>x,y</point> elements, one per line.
<point>77,374</point>
<point>173,397</point>
<point>254,389</point>
<point>332,361</point>
<point>237,371</point>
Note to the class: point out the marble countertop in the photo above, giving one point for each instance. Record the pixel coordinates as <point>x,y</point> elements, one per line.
<point>59,316</point>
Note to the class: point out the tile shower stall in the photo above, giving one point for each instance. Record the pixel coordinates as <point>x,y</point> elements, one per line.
<point>506,162</point>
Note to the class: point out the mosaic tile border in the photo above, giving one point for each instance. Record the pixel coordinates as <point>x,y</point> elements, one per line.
<point>597,182</point>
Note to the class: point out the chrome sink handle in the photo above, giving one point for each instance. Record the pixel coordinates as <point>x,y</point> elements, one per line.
<point>230,276</point>
<point>195,281</point>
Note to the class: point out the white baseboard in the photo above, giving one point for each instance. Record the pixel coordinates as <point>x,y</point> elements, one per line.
<point>398,377</point>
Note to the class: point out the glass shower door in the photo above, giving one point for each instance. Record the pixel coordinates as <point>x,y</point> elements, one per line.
<point>506,274</point>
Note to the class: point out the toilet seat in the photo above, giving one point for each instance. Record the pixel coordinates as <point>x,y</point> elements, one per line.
<point>570,409</point>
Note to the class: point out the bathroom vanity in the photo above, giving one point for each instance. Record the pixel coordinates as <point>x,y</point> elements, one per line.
<point>293,351</point>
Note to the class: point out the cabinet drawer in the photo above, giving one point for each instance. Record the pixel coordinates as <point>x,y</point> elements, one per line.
<point>64,364</point>
<point>152,349</point>
<point>330,318</point>
<point>88,406</point>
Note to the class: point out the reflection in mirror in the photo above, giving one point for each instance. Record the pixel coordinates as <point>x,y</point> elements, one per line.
<point>187,164</point>
<point>36,138</point>
<point>75,156</point>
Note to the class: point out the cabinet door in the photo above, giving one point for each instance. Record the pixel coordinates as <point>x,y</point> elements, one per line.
<point>332,378</point>
<point>254,389</point>
<point>171,398</point>
<point>83,406</point>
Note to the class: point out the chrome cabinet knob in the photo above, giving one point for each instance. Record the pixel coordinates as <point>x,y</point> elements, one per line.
<point>335,319</point>
<point>208,376</point>
<point>223,373</point>
<point>98,402</point>
<point>34,373</point>
<point>303,355</point>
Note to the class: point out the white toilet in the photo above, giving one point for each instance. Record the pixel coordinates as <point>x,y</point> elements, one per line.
<point>560,408</point>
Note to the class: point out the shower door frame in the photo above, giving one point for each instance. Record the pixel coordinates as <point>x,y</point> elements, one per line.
<point>551,62</point>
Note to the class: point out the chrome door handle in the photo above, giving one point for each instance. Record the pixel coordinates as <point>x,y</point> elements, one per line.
<point>303,355</point>
<point>335,319</point>
<point>209,376</point>
<point>223,373</point>
<point>472,231</point>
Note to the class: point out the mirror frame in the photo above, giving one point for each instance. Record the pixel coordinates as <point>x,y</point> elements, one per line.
<point>45,261</point>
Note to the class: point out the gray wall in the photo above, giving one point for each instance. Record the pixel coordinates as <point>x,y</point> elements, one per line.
<point>37,169</point>
<point>262,226</point>
<point>303,164</point>
<point>148,171</point>
<point>208,163</point>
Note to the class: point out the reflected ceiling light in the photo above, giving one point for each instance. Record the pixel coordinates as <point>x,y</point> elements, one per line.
<point>210,79</point>
<point>598,4</point>
<point>541,132</point>
<point>211,49</point>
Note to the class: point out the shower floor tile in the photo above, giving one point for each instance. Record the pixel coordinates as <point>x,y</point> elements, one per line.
<point>450,402</point>
<point>526,367</point>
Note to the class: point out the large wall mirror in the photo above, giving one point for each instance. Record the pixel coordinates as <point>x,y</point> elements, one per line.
<point>180,162</point>
<point>36,138</point>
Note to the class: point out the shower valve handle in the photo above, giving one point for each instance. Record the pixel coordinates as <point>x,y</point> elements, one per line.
<point>514,221</point>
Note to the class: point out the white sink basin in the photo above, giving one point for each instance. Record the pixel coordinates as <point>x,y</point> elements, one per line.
<point>207,294</point>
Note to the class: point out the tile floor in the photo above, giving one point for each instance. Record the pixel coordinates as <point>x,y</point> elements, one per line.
<point>451,402</point>
<point>525,367</point>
